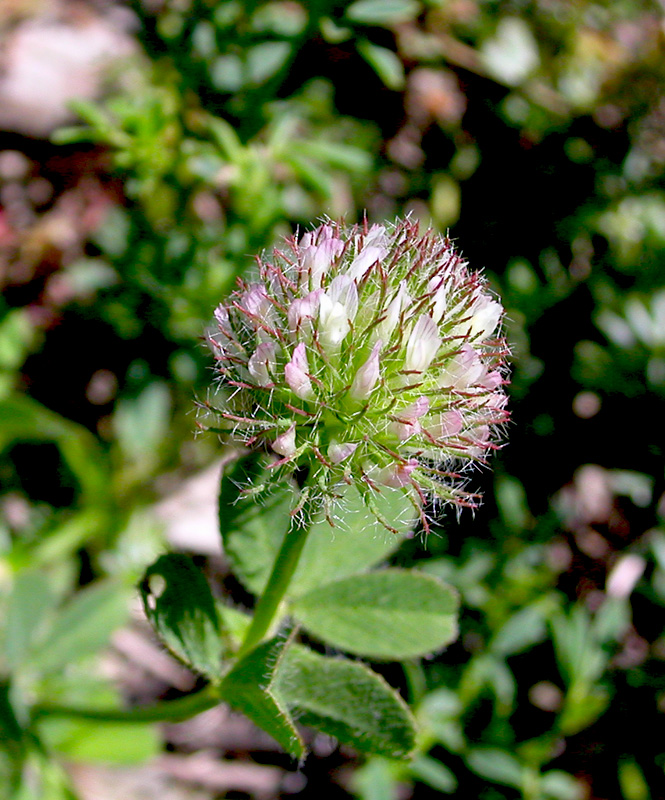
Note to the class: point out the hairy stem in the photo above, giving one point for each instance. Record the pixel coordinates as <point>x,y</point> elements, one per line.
<point>283,570</point>
<point>168,711</point>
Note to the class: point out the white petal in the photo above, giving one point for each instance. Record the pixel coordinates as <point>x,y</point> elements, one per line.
<point>343,290</point>
<point>423,345</point>
<point>364,260</point>
<point>486,316</point>
<point>333,323</point>
<point>439,287</point>
<point>465,369</point>
<point>366,377</point>
<point>318,258</point>
<point>391,317</point>
<point>261,363</point>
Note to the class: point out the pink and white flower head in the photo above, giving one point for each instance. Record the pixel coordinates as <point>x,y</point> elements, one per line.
<point>371,355</point>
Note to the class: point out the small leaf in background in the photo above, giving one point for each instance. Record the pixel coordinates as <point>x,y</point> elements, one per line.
<point>433,773</point>
<point>496,765</point>
<point>12,741</point>
<point>83,626</point>
<point>336,154</point>
<point>562,786</point>
<point>236,623</point>
<point>141,424</point>
<point>248,688</point>
<point>632,781</point>
<point>226,73</point>
<point>511,55</point>
<point>583,705</point>
<point>488,671</point>
<point>579,654</point>
<point>102,742</point>
<point>512,502</point>
<point>523,629</point>
<point>17,338</point>
<point>386,63</point>
<point>376,779</point>
<point>86,276</point>
<point>112,236</point>
<point>23,419</point>
<point>445,201</point>
<point>180,606</point>
<point>29,608</point>
<point>265,60</point>
<point>345,699</point>
<point>382,12</point>
<point>391,614</point>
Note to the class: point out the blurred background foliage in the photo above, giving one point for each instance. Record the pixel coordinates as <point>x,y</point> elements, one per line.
<point>131,199</point>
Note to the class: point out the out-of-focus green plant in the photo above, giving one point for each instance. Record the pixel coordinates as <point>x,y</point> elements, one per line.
<point>535,131</point>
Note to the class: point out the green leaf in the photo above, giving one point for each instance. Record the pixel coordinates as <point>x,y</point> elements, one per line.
<point>345,699</point>
<point>249,688</point>
<point>386,63</point>
<point>12,741</point>
<point>179,604</point>
<point>30,605</point>
<point>264,61</point>
<point>563,786</point>
<point>17,337</point>
<point>336,154</point>
<point>141,424</point>
<point>382,12</point>
<point>391,614</point>
<point>377,779</point>
<point>235,622</point>
<point>356,543</point>
<point>99,741</point>
<point>522,630</point>
<point>253,529</point>
<point>435,774</point>
<point>310,173</point>
<point>23,419</point>
<point>83,626</point>
<point>496,765</point>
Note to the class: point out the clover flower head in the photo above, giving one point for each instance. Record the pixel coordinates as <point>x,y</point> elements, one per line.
<point>370,355</point>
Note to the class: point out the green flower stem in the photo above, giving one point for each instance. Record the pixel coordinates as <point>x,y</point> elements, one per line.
<point>170,711</point>
<point>282,572</point>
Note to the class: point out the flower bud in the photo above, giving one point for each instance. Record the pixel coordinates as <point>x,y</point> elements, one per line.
<point>296,373</point>
<point>262,362</point>
<point>398,475</point>
<point>285,443</point>
<point>365,379</point>
<point>406,423</point>
<point>340,452</point>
